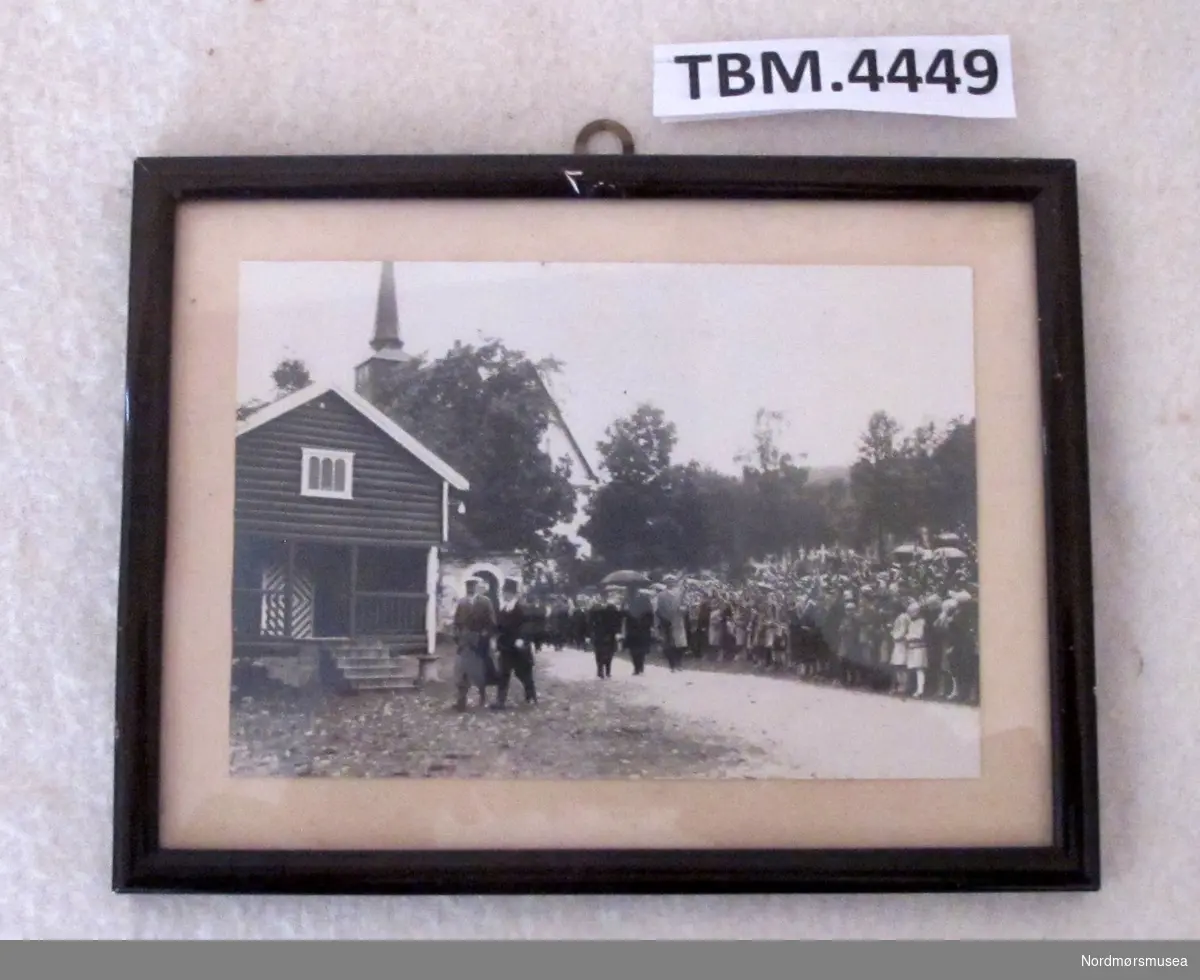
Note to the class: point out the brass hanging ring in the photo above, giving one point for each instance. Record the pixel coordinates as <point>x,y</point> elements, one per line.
<point>598,126</point>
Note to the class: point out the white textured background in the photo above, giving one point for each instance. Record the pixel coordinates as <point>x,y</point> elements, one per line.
<point>87,85</point>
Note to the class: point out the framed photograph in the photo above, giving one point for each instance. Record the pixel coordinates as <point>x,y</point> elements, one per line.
<point>605,524</point>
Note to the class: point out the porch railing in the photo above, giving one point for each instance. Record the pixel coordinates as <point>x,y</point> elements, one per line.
<point>389,613</point>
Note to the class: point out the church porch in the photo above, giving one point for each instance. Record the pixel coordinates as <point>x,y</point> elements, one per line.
<point>295,593</point>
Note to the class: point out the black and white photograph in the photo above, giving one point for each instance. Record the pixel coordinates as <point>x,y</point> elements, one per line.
<point>554,520</point>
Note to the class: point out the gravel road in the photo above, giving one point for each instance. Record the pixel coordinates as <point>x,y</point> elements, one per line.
<point>800,730</point>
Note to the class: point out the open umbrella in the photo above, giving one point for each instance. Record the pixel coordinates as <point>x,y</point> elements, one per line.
<point>625,577</point>
<point>950,553</point>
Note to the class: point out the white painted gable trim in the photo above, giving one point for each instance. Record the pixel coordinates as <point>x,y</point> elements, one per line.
<point>560,422</point>
<point>398,435</point>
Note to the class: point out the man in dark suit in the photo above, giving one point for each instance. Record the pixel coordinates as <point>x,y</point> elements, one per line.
<point>605,621</point>
<point>560,622</point>
<point>639,628</point>
<point>538,620</point>
<point>579,624</point>
<point>514,644</point>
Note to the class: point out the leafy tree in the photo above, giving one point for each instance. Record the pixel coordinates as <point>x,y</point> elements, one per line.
<point>637,449</point>
<point>627,524</point>
<point>769,427</point>
<point>555,567</point>
<point>953,499</point>
<point>655,514</point>
<point>840,522</point>
<point>486,411</point>
<point>915,507</point>
<point>777,511</point>
<point>877,478</point>
<point>902,484</point>
<point>631,518</point>
<point>289,376</point>
<point>704,507</point>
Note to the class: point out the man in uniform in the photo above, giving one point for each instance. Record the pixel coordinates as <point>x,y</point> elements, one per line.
<point>514,646</point>
<point>474,625</point>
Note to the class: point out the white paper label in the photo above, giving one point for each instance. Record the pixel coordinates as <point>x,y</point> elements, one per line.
<point>969,77</point>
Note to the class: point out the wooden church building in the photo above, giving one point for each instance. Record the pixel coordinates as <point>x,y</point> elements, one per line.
<point>341,516</point>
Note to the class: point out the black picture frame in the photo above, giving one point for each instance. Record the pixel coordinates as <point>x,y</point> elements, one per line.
<point>161,185</point>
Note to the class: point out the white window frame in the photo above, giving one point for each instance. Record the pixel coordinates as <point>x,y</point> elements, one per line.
<point>335,456</point>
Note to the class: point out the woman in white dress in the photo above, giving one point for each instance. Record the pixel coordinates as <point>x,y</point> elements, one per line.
<point>916,647</point>
<point>899,661</point>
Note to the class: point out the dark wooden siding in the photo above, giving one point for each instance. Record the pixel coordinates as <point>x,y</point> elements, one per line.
<point>397,498</point>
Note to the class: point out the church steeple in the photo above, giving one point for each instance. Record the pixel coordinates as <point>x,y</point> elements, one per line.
<point>371,376</point>
<point>387,314</point>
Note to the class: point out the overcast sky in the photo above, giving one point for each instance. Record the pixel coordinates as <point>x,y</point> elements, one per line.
<point>709,344</point>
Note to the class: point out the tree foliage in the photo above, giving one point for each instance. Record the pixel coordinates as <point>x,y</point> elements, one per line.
<point>876,479</point>
<point>633,519</point>
<point>637,449</point>
<point>925,480</point>
<point>778,512</point>
<point>654,512</point>
<point>485,410</point>
<point>770,427</point>
<point>290,375</point>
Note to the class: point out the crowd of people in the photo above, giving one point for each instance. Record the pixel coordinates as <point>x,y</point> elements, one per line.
<point>908,626</point>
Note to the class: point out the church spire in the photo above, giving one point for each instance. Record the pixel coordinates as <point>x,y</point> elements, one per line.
<point>387,316</point>
<point>373,377</point>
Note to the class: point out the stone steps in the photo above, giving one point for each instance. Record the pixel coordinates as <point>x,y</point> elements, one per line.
<point>369,663</point>
<point>373,673</point>
<point>392,684</point>
<point>376,667</point>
